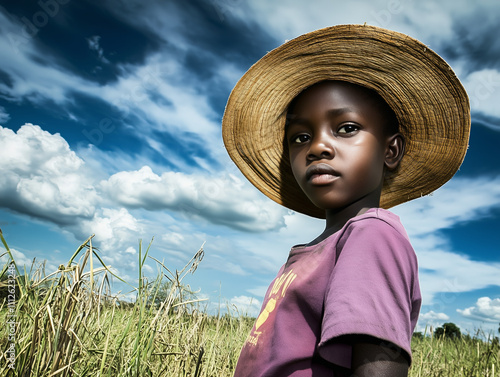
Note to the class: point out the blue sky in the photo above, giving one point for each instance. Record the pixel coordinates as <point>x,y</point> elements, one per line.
<point>110,119</point>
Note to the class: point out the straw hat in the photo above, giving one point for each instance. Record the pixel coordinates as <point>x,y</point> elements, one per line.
<point>431,105</point>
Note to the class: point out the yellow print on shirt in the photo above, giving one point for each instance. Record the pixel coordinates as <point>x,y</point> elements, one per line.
<point>278,291</point>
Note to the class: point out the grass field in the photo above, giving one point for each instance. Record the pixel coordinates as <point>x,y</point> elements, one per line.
<point>66,323</point>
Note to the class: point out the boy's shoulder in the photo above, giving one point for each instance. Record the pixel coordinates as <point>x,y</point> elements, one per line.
<point>376,219</point>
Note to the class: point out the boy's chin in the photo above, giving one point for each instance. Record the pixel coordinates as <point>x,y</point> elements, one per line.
<point>329,204</point>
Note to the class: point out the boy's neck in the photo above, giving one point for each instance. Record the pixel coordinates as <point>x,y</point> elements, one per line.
<point>335,220</point>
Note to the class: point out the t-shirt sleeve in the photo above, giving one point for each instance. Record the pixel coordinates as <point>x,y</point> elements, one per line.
<point>373,290</point>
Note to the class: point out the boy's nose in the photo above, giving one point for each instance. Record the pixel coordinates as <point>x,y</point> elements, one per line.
<point>321,148</point>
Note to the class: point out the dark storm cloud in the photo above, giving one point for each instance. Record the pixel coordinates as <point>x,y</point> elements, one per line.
<point>476,40</point>
<point>62,31</point>
<point>208,26</point>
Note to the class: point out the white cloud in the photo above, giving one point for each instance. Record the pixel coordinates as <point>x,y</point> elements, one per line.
<point>483,88</point>
<point>173,238</point>
<point>161,98</point>
<point>420,19</point>
<point>131,250</point>
<point>19,257</point>
<point>425,20</point>
<point>116,241</point>
<point>486,309</point>
<point>42,177</point>
<point>247,306</point>
<point>113,228</point>
<point>460,200</point>
<point>221,200</point>
<point>94,45</point>
<point>431,316</point>
<point>427,322</point>
<point>4,116</point>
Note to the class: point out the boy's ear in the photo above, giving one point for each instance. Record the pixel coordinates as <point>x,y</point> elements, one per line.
<point>394,151</point>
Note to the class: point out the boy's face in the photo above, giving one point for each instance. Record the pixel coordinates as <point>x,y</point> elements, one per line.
<point>338,144</point>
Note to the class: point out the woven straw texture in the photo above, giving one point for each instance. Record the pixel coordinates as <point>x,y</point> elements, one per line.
<point>431,105</point>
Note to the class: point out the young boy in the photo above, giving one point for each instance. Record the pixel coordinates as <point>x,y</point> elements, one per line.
<point>343,123</point>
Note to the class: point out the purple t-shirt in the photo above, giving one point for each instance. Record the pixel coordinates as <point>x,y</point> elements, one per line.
<point>361,280</point>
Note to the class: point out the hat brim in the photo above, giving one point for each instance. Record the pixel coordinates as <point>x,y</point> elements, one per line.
<point>429,101</point>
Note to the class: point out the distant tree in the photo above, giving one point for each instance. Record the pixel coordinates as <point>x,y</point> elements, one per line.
<point>495,342</point>
<point>449,330</point>
<point>418,335</point>
<point>467,338</point>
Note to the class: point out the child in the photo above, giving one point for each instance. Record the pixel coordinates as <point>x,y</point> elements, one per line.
<point>343,123</point>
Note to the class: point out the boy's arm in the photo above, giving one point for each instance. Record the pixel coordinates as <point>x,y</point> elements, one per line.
<point>374,360</point>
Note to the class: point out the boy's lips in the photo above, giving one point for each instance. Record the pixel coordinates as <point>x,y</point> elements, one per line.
<point>321,174</point>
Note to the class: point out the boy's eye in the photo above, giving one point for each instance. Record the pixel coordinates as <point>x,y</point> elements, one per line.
<point>300,139</point>
<point>347,129</point>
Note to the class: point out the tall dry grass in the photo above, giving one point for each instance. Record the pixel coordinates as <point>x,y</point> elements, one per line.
<point>466,356</point>
<point>69,324</point>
